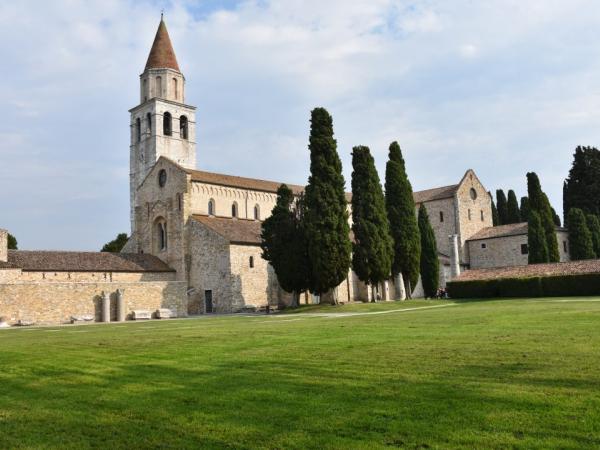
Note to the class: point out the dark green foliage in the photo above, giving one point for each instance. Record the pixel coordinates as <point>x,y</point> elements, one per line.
<point>495,216</point>
<point>12,242</point>
<point>513,212</point>
<point>372,250</point>
<point>582,187</point>
<point>430,270</point>
<point>538,202</point>
<point>555,218</point>
<point>326,218</point>
<point>552,286</point>
<point>536,239</point>
<point>581,245</point>
<point>524,209</point>
<point>284,244</point>
<point>117,244</point>
<point>593,224</point>
<point>404,230</point>
<point>502,206</point>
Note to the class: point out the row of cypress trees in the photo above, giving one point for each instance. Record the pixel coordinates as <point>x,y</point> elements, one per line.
<point>307,241</point>
<point>508,210</point>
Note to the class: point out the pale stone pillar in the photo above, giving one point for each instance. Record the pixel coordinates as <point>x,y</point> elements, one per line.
<point>105,307</point>
<point>120,306</point>
<point>3,245</point>
<point>399,287</point>
<point>454,256</point>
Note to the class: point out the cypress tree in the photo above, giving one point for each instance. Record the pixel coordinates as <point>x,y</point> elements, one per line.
<point>430,271</point>
<point>326,216</point>
<point>536,238</point>
<point>502,206</point>
<point>117,244</point>
<point>582,187</point>
<point>538,202</point>
<point>581,245</point>
<point>555,217</point>
<point>524,210</point>
<point>513,212</point>
<point>593,224</point>
<point>283,244</point>
<point>12,242</point>
<point>495,216</point>
<point>372,250</point>
<point>400,206</point>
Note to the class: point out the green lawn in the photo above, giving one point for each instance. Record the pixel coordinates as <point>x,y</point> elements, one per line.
<point>494,374</point>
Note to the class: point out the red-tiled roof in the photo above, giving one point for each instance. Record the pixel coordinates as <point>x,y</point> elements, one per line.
<point>57,261</point>
<point>236,231</point>
<point>533,270</point>
<point>162,55</point>
<point>513,229</point>
<point>439,193</point>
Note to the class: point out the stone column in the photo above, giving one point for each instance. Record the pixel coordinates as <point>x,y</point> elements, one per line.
<point>400,288</point>
<point>120,306</point>
<point>105,307</point>
<point>454,256</point>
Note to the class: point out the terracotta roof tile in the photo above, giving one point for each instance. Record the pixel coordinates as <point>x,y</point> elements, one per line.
<point>57,261</point>
<point>236,231</point>
<point>513,229</point>
<point>532,270</point>
<point>162,55</point>
<point>439,193</point>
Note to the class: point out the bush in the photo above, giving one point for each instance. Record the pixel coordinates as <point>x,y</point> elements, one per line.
<point>553,286</point>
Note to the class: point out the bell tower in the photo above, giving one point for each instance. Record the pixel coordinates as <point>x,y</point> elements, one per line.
<point>162,124</point>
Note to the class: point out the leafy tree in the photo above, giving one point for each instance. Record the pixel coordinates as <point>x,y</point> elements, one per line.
<point>581,245</point>
<point>283,243</point>
<point>538,202</point>
<point>502,206</point>
<point>117,244</point>
<point>495,216</point>
<point>513,211</point>
<point>536,238</point>
<point>582,187</point>
<point>372,250</point>
<point>12,242</point>
<point>404,230</point>
<point>593,224</point>
<point>555,218</point>
<point>326,217</point>
<point>430,271</point>
<point>524,209</point>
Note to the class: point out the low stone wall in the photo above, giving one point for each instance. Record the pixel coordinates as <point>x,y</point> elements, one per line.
<point>53,303</point>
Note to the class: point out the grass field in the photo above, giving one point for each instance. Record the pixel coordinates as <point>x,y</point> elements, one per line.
<point>494,374</point>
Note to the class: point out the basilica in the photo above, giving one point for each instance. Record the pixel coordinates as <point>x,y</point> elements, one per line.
<point>195,235</point>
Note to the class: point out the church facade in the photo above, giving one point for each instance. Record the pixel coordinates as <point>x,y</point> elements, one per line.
<point>195,235</point>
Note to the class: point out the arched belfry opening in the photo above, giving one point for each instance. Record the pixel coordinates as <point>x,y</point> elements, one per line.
<point>167,124</point>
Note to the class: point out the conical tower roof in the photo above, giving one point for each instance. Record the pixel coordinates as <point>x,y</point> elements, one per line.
<point>162,55</point>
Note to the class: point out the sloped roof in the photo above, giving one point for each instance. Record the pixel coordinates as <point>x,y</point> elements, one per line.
<point>236,231</point>
<point>439,193</point>
<point>162,55</point>
<point>532,270</point>
<point>58,261</point>
<point>513,229</point>
<point>272,186</point>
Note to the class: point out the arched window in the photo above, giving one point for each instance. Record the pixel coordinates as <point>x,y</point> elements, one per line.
<point>158,87</point>
<point>256,212</point>
<point>175,88</point>
<point>149,123</point>
<point>234,210</point>
<point>251,262</point>
<point>167,124</point>
<point>161,234</point>
<point>211,207</point>
<point>145,89</point>
<point>138,130</point>
<point>179,202</point>
<point>183,127</point>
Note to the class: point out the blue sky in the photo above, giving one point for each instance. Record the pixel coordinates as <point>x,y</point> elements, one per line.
<point>502,87</point>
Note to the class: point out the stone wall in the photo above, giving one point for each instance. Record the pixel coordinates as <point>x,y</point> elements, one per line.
<point>3,245</point>
<point>51,277</point>
<point>506,251</point>
<point>50,303</point>
<point>442,216</point>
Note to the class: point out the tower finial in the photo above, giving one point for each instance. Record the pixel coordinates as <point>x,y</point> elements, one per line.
<point>162,13</point>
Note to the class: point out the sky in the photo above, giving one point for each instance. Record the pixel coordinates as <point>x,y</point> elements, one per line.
<point>501,87</point>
